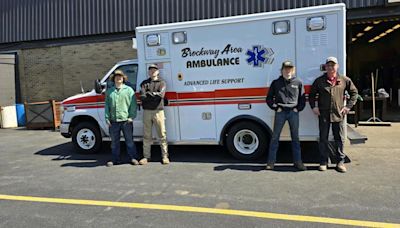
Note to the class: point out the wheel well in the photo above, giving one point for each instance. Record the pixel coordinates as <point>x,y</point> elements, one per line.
<point>238,119</point>
<point>79,119</point>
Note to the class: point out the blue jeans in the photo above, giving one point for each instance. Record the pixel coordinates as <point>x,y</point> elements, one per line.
<point>115,134</point>
<point>280,118</point>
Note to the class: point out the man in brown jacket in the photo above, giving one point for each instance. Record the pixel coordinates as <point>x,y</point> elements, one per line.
<point>329,92</point>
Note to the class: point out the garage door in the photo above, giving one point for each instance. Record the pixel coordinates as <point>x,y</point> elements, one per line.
<point>7,79</point>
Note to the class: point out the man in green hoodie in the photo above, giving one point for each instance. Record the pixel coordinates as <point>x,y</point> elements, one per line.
<point>120,110</point>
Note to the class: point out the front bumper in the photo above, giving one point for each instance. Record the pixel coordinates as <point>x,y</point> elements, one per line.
<point>64,130</point>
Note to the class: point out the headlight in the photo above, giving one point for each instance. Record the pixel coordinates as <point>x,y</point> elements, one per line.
<point>70,108</point>
<point>179,37</point>
<point>281,27</point>
<point>61,107</point>
<point>153,40</point>
<point>315,23</point>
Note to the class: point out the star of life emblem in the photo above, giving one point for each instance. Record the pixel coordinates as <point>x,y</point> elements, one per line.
<point>258,56</point>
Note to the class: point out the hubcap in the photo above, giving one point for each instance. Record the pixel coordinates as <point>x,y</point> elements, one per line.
<point>246,141</point>
<point>86,139</point>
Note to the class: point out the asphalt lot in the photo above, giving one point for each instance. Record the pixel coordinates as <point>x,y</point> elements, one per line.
<point>44,164</point>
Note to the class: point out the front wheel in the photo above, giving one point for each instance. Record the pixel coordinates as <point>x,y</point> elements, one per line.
<point>86,138</point>
<point>247,140</point>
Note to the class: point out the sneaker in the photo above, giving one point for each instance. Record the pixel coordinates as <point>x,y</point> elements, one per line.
<point>322,167</point>
<point>112,163</point>
<point>143,161</point>
<point>165,161</point>
<point>109,164</point>
<point>134,162</point>
<point>341,168</point>
<point>269,166</point>
<point>300,166</point>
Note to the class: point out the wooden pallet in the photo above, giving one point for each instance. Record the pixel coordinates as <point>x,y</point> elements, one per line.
<point>43,115</point>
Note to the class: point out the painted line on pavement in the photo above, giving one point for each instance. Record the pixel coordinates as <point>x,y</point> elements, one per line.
<point>164,207</point>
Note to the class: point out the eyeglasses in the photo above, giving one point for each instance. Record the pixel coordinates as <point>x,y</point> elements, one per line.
<point>330,65</point>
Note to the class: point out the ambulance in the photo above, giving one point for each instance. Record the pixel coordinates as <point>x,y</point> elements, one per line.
<point>218,72</point>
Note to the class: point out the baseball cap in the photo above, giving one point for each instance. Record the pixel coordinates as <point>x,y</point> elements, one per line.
<point>287,63</point>
<point>153,66</point>
<point>331,59</point>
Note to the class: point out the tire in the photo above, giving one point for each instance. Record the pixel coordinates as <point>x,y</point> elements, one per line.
<point>247,140</point>
<point>86,138</point>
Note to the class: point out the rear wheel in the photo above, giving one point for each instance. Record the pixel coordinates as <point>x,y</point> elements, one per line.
<point>86,138</point>
<point>247,140</point>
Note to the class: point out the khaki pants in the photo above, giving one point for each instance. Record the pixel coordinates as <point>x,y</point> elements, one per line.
<point>158,118</point>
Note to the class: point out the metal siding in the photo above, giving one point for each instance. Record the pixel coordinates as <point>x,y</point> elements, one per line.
<point>24,20</point>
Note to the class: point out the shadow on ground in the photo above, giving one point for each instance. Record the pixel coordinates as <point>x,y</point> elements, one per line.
<point>184,154</point>
<point>256,168</point>
<point>284,159</point>
<point>66,152</point>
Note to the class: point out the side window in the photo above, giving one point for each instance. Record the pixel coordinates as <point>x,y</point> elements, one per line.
<point>131,71</point>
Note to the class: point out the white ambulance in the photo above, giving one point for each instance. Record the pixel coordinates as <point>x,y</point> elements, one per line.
<point>218,72</point>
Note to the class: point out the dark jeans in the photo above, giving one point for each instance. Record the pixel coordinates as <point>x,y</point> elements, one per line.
<point>115,134</point>
<point>338,135</point>
<point>280,119</point>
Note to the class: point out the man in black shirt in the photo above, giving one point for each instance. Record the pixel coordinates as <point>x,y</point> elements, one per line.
<point>286,97</point>
<point>152,96</point>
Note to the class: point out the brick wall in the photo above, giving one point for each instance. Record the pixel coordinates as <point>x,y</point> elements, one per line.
<point>56,72</point>
<point>41,78</point>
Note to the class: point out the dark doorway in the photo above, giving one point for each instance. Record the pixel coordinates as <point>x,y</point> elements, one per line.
<point>373,47</point>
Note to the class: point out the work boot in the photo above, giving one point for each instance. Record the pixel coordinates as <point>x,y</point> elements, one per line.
<point>300,166</point>
<point>143,161</point>
<point>134,162</point>
<point>341,168</point>
<point>270,166</point>
<point>165,161</point>
<point>322,167</point>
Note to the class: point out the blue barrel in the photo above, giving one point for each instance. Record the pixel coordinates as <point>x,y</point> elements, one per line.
<point>20,114</point>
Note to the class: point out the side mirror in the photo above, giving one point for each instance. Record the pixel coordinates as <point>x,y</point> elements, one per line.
<point>97,86</point>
